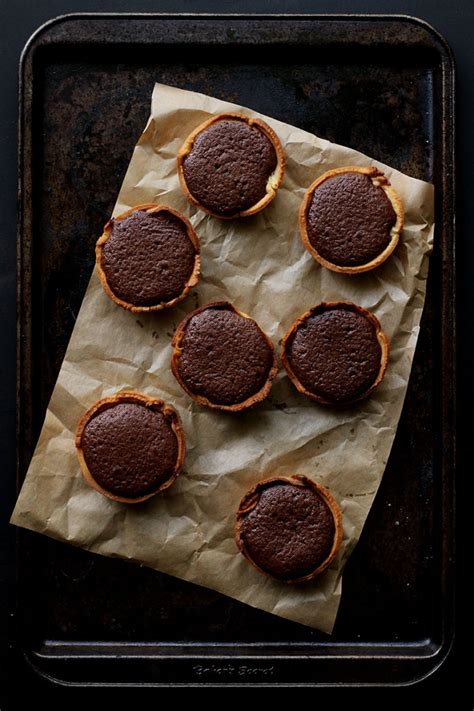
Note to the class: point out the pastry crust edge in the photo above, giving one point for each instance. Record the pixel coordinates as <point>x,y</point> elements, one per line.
<point>154,403</point>
<point>273,182</point>
<point>249,501</point>
<point>379,180</point>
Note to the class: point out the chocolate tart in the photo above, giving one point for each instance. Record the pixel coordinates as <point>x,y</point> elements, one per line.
<point>335,353</point>
<point>222,358</point>
<point>351,219</point>
<point>130,446</point>
<point>148,258</point>
<point>231,165</point>
<point>289,528</point>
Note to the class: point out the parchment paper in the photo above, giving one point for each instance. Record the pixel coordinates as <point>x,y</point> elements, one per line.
<point>260,265</point>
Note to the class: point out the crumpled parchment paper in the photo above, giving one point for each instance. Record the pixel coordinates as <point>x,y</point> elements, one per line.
<point>260,265</point>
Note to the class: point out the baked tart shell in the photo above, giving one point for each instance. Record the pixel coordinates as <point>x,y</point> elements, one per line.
<point>131,397</point>
<point>250,500</point>
<point>192,280</point>
<point>381,337</point>
<point>379,180</point>
<point>257,397</point>
<point>273,183</point>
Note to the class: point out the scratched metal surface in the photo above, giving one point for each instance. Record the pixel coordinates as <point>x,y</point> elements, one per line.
<point>382,86</point>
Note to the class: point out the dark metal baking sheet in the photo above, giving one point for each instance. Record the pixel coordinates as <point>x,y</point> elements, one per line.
<point>382,85</point>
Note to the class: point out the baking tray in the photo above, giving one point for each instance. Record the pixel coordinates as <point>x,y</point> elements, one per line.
<point>383,85</point>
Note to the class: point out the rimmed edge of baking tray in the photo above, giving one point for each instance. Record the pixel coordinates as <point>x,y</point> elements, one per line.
<point>432,653</point>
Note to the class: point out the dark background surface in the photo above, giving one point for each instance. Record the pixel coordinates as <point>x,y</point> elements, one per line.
<point>18,20</point>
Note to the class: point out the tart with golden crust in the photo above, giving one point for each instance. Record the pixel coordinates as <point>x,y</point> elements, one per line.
<point>336,353</point>
<point>222,358</point>
<point>231,165</point>
<point>148,258</point>
<point>289,528</point>
<point>130,446</point>
<point>351,219</point>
